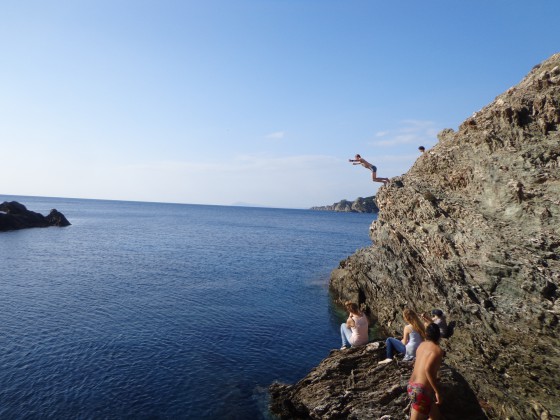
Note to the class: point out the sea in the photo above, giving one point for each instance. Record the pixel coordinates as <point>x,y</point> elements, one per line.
<point>165,311</point>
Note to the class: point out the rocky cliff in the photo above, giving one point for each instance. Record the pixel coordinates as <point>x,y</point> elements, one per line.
<point>14,215</point>
<point>473,228</point>
<point>359,205</point>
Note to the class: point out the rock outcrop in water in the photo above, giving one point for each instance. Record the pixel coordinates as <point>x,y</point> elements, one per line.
<point>14,215</point>
<point>473,228</point>
<point>359,205</point>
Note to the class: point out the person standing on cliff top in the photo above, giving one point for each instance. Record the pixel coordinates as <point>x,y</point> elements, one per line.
<point>422,386</point>
<point>358,160</point>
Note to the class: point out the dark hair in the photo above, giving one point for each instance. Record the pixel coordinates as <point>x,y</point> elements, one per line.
<point>438,313</point>
<point>422,148</point>
<point>433,333</point>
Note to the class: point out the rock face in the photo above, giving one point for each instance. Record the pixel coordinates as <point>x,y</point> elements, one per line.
<point>14,215</point>
<point>359,205</point>
<point>473,228</point>
<point>350,384</point>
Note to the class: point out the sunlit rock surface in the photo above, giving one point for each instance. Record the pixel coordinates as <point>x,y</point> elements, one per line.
<point>473,228</point>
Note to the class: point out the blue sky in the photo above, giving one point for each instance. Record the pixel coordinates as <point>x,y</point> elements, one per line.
<point>246,101</point>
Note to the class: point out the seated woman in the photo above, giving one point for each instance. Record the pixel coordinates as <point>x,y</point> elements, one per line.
<point>355,331</point>
<point>414,333</point>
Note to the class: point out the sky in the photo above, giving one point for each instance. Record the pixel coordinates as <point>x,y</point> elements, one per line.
<point>246,102</point>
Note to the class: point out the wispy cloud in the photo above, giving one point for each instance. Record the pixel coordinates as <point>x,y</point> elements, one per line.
<point>265,179</point>
<point>298,181</point>
<point>409,131</point>
<point>241,163</point>
<point>277,135</point>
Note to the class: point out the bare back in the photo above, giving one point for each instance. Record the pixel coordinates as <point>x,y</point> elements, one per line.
<point>365,163</point>
<point>428,361</point>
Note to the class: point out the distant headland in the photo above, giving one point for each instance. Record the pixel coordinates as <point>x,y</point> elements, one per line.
<point>14,216</point>
<point>359,205</point>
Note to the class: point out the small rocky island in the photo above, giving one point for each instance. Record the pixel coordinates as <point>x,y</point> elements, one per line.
<point>14,215</point>
<point>359,205</point>
<point>472,228</point>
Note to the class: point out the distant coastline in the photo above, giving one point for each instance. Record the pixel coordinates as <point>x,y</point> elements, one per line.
<point>359,205</point>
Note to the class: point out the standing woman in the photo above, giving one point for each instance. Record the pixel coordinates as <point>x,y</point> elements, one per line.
<point>413,334</point>
<point>355,331</point>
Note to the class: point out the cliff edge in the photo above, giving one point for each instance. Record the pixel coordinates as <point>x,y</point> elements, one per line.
<point>473,228</point>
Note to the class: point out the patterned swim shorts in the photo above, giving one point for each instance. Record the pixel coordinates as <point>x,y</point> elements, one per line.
<point>421,398</point>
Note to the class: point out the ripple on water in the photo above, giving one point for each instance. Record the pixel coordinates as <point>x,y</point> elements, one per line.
<point>190,314</point>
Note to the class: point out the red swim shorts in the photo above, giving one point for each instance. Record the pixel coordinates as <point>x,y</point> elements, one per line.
<point>421,398</point>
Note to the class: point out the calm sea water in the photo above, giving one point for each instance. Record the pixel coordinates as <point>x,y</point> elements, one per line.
<point>148,310</point>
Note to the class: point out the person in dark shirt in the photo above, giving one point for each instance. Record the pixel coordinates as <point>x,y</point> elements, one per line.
<point>437,317</point>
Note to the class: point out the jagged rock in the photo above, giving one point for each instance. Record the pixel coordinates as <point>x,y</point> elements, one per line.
<point>350,384</point>
<point>359,205</point>
<point>473,228</point>
<point>14,215</point>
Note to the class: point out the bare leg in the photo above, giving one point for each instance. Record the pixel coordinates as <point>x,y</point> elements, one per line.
<point>434,412</point>
<point>415,415</point>
<point>375,179</point>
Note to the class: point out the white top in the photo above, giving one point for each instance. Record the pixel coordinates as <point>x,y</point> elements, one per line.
<point>359,330</point>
